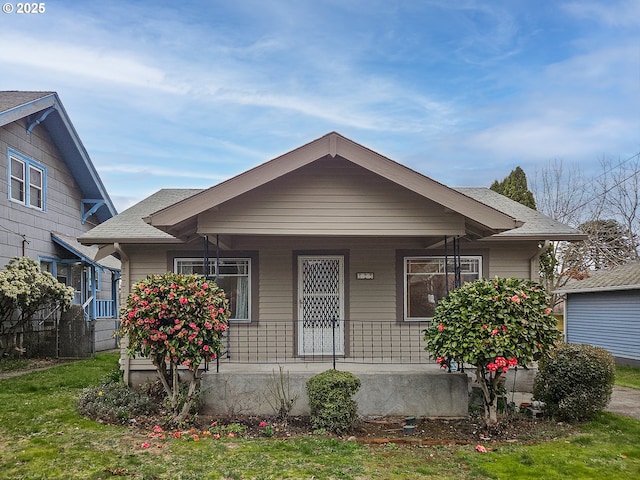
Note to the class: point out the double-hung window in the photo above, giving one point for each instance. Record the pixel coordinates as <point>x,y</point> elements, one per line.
<point>27,181</point>
<point>233,275</point>
<point>426,279</point>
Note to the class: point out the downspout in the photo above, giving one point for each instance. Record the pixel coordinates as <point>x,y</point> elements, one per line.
<point>534,264</point>
<point>125,360</point>
<point>564,318</point>
<point>92,307</point>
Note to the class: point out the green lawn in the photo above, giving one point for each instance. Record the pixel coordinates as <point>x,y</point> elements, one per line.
<point>628,376</point>
<point>42,436</point>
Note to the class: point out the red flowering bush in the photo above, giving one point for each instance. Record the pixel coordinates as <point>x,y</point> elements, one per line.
<point>492,324</point>
<point>175,320</point>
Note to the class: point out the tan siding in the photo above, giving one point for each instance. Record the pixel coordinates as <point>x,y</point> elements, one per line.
<point>339,198</point>
<point>146,260</point>
<point>276,295</point>
<point>372,316</point>
<point>512,260</point>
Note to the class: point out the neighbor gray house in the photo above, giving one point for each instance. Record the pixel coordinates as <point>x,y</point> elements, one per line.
<point>603,309</point>
<point>51,194</point>
<point>328,251</point>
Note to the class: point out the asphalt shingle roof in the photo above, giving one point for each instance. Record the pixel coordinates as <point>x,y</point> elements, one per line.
<point>13,99</point>
<point>623,277</point>
<point>129,225</point>
<point>535,225</point>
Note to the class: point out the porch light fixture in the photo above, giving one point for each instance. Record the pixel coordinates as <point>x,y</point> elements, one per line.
<point>364,275</point>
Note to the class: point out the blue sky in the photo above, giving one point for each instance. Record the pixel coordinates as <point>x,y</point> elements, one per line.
<point>187,94</point>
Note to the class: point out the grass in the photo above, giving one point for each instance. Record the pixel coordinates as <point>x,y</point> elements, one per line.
<point>42,436</point>
<point>12,364</point>
<point>628,376</point>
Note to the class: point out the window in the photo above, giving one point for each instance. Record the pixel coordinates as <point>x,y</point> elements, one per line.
<point>233,277</point>
<point>424,282</point>
<point>27,181</point>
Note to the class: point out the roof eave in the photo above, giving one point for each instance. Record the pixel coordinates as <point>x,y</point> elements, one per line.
<point>28,108</point>
<point>333,145</point>
<point>554,237</point>
<point>598,289</point>
<point>123,241</point>
<point>78,149</point>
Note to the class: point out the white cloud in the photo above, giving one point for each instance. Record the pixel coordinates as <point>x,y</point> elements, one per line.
<point>625,13</point>
<point>149,170</point>
<point>101,64</point>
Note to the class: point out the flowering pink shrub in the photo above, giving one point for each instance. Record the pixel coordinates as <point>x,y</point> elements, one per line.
<point>175,320</point>
<point>492,324</point>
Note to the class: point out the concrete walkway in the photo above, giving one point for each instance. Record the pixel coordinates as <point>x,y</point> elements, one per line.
<point>625,401</point>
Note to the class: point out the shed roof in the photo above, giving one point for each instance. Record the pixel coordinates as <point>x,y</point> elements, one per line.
<point>622,277</point>
<point>45,108</point>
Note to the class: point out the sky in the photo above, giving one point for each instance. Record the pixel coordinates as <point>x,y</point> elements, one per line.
<point>185,94</point>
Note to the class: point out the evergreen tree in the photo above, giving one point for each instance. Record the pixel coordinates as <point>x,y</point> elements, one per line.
<point>515,187</point>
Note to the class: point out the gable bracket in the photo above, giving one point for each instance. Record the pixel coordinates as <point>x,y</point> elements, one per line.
<point>34,123</point>
<point>96,202</point>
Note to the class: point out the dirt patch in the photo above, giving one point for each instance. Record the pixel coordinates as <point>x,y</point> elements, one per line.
<point>513,428</point>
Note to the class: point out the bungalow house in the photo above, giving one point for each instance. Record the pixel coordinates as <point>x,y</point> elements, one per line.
<point>52,194</point>
<point>329,251</point>
<point>603,309</point>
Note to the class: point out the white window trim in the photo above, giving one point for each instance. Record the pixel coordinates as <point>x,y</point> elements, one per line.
<point>27,166</point>
<point>212,262</point>
<point>422,257</point>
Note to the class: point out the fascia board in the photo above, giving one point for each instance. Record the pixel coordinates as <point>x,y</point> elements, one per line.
<point>90,168</point>
<point>597,289</point>
<point>334,144</point>
<point>240,184</point>
<point>425,186</point>
<point>26,109</point>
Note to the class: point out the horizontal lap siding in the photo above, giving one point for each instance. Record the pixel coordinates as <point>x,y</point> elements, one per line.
<point>371,303</point>
<point>321,200</point>
<point>511,259</point>
<point>63,197</point>
<point>276,294</point>
<point>610,320</point>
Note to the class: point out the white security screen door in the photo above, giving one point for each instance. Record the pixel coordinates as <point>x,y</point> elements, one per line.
<point>320,300</point>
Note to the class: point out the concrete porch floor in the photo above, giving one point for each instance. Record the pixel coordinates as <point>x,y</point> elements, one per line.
<point>421,390</point>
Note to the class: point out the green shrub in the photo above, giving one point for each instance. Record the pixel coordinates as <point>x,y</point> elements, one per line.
<point>115,403</point>
<point>576,382</point>
<point>332,407</point>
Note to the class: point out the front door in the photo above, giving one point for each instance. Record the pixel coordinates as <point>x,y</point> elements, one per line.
<point>320,302</point>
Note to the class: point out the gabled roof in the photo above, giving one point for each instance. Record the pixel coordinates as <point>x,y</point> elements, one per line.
<point>129,226</point>
<point>173,218</point>
<point>46,109</point>
<point>622,277</point>
<point>536,226</point>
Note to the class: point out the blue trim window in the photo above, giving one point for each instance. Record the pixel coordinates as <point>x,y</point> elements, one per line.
<point>27,181</point>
